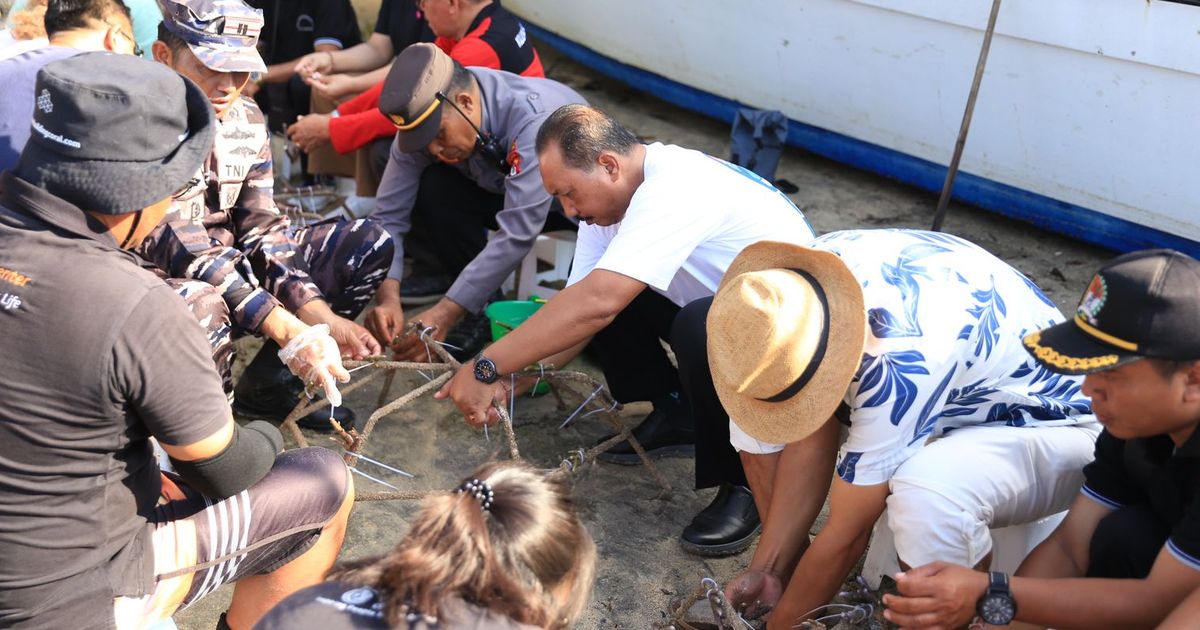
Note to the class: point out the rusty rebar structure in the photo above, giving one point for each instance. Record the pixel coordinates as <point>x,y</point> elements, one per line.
<point>354,441</point>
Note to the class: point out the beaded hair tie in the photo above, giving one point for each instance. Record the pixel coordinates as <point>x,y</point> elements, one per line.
<point>481,491</point>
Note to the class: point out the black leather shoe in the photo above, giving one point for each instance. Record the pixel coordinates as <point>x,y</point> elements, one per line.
<point>660,436</point>
<point>267,390</point>
<point>727,526</point>
<point>423,289</point>
<point>469,336</point>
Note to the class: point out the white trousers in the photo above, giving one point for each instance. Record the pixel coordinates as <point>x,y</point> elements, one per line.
<point>946,498</point>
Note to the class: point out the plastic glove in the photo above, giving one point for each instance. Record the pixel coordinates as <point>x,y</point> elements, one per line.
<point>313,356</point>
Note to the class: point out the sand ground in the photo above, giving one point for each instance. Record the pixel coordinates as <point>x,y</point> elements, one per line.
<point>636,526</point>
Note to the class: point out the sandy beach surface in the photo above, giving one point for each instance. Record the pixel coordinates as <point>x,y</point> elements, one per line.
<point>636,525</point>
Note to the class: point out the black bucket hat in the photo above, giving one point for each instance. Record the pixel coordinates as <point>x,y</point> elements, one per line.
<point>115,133</point>
<point>1141,305</point>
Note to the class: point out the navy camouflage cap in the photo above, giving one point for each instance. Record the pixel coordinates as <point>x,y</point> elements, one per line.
<point>223,34</point>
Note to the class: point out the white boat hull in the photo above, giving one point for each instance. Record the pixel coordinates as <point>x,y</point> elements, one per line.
<point>1085,121</point>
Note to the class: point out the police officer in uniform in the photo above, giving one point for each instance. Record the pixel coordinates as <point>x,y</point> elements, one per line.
<point>225,231</point>
<point>463,162</point>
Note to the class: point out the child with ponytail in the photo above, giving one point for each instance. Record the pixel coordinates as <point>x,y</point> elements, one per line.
<point>505,551</point>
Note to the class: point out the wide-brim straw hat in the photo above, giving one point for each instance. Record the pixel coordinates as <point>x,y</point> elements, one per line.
<point>785,337</point>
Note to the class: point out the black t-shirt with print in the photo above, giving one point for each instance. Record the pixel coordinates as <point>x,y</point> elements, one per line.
<point>292,29</point>
<point>98,356</point>
<point>403,23</point>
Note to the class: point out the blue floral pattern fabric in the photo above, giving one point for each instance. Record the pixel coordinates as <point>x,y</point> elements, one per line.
<point>943,349</point>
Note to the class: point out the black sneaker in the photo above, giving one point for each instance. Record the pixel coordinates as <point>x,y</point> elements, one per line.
<point>727,526</point>
<point>267,390</point>
<point>416,290</point>
<point>469,336</point>
<point>662,433</point>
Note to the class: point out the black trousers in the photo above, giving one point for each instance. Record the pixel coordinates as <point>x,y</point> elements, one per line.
<point>451,217</point>
<point>637,368</point>
<point>378,151</point>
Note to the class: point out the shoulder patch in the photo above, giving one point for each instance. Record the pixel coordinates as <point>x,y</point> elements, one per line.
<point>514,160</point>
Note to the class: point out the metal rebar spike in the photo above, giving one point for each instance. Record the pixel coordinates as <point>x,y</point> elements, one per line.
<point>376,480</point>
<point>381,464</point>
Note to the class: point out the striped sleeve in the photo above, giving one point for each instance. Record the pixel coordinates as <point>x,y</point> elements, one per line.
<point>1100,498</point>
<point>1184,542</point>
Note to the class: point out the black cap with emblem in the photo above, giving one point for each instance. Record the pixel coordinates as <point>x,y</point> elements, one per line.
<point>1143,304</point>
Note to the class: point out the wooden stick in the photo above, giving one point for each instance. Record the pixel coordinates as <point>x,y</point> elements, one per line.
<point>952,171</point>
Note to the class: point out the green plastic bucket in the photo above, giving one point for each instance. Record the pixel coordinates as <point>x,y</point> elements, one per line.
<point>507,315</point>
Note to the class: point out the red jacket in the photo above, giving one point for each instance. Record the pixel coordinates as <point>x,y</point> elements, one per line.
<point>495,40</point>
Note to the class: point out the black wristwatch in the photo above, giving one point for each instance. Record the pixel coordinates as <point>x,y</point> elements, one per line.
<point>997,606</point>
<point>485,370</point>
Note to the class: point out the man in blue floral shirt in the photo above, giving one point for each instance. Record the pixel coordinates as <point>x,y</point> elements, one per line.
<point>913,340</point>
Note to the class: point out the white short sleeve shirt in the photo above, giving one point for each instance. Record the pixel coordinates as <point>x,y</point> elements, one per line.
<point>687,221</point>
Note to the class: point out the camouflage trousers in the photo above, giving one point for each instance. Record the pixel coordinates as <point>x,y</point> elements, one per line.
<point>347,260</point>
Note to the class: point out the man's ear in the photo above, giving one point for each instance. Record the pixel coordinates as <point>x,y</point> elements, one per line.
<point>466,102</point>
<point>1191,382</point>
<point>163,54</point>
<point>610,164</point>
<point>111,34</point>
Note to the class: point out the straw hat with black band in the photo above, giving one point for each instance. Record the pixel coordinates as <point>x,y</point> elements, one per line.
<point>786,331</point>
<point>1140,305</point>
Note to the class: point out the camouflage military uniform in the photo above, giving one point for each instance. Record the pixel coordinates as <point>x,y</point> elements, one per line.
<point>224,230</point>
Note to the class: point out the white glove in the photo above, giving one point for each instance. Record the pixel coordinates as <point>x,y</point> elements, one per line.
<point>313,356</point>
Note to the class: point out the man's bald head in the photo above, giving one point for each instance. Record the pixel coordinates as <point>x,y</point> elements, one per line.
<point>582,133</point>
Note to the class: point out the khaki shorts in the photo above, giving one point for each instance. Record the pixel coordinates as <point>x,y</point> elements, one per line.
<point>201,544</point>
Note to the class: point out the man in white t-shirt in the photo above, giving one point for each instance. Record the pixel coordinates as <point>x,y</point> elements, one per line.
<point>914,340</point>
<point>658,226</point>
